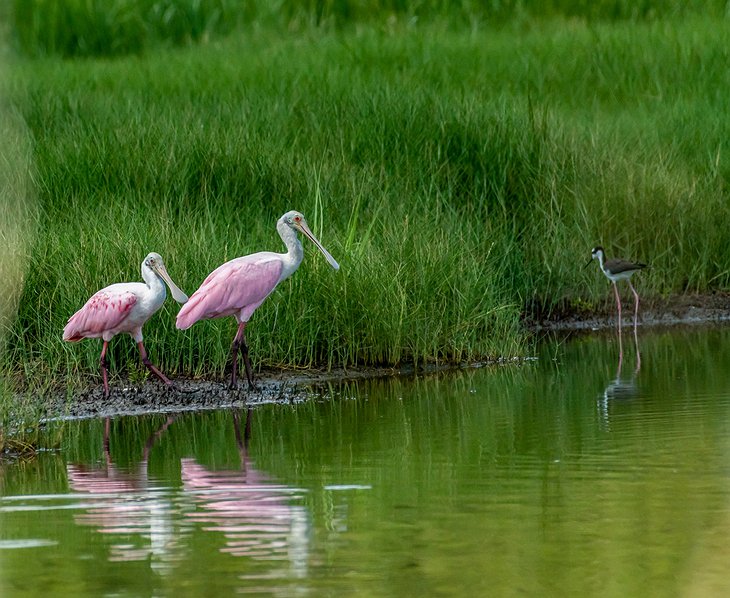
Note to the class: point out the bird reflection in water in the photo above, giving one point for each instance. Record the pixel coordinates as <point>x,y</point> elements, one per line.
<point>620,388</point>
<point>257,517</point>
<point>254,513</point>
<point>124,501</point>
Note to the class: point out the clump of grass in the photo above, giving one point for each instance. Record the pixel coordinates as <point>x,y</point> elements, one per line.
<point>74,28</point>
<point>20,411</point>
<point>14,448</point>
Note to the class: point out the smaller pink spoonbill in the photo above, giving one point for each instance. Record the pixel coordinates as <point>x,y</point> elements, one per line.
<point>124,307</point>
<point>615,270</point>
<point>239,286</point>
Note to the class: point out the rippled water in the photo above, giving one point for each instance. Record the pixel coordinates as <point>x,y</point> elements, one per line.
<point>556,477</point>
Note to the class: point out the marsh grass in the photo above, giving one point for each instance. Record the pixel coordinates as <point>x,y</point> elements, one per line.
<point>18,225</point>
<point>84,28</point>
<point>81,28</point>
<point>459,177</point>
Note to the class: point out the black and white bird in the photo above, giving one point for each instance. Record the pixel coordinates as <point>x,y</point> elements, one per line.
<point>615,270</point>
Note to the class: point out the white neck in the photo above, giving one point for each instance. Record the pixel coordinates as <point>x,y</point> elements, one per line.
<point>295,252</point>
<point>153,281</point>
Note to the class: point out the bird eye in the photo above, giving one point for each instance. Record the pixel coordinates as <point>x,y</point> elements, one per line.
<point>297,219</point>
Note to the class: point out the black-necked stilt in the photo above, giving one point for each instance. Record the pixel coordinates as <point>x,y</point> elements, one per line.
<point>615,270</point>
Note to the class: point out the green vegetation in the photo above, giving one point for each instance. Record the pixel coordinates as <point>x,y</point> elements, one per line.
<point>459,170</point>
<point>116,27</point>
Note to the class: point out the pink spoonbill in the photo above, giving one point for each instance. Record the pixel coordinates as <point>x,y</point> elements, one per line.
<point>239,286</point>
<point>124,307</point>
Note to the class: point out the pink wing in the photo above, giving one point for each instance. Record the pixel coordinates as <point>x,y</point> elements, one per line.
<point>236,287</point>
<point>104,311</point>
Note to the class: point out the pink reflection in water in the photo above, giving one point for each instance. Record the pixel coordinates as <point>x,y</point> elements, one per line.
<point>122,501</point>
<point>254,513</point>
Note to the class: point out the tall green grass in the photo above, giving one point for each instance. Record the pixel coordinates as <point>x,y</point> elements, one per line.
<point>76,28</point>
<point>18,222</point>
<point>82,28</point>
<point>459,176</point>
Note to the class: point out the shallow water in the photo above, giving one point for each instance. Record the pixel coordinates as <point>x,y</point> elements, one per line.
<point>550,478</point>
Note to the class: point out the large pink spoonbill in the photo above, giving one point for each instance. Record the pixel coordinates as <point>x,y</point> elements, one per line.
<point>124,307</point>
<point>238,287</point>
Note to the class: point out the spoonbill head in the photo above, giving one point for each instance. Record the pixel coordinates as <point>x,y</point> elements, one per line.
<point>296,221</point>
<point>124,307</point>
<point>154,262</point>
<point>239,286</point>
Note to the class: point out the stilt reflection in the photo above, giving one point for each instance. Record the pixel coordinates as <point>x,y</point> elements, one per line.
<point>621,388</point>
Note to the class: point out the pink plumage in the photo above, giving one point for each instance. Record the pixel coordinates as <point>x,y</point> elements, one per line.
<point>239,286</point>
<point>124,307</point>
<point>236,288</point>
<point>106,311</point>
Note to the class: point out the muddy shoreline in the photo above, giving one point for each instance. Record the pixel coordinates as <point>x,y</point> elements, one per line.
<point>272,386</point>
<point>680,309</point>
<point>285,386</point>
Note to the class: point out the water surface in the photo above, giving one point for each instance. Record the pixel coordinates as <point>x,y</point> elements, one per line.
<point>556,477</point>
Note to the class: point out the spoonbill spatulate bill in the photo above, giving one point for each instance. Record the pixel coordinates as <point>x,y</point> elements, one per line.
<point>239,286</point>
<point>124,307</point>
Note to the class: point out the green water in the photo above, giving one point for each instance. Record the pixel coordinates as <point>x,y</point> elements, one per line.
<point>544,479</point>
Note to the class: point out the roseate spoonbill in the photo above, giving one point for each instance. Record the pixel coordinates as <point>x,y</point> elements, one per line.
<point>124,307</point>
<point>239,286</point>
<point>615,270</point>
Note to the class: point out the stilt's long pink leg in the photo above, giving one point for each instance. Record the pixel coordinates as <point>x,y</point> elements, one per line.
<point>620,349</point>
<point>636,320</point>
<point>104,365</point>
<point>618,303</point>
<point>620,343</point>
<point>150,365</point>
<point>636,308</point>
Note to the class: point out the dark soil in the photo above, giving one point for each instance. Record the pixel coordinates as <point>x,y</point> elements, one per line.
<point>284,386</point>
<point>681,309</point>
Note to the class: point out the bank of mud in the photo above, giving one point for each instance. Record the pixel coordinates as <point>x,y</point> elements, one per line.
<point>282,386</point>
<point>680,309</point>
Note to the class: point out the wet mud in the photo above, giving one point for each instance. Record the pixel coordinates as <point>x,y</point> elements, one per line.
<point>681,309</point>
<point>152,396</point>
<point>284,386</point>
